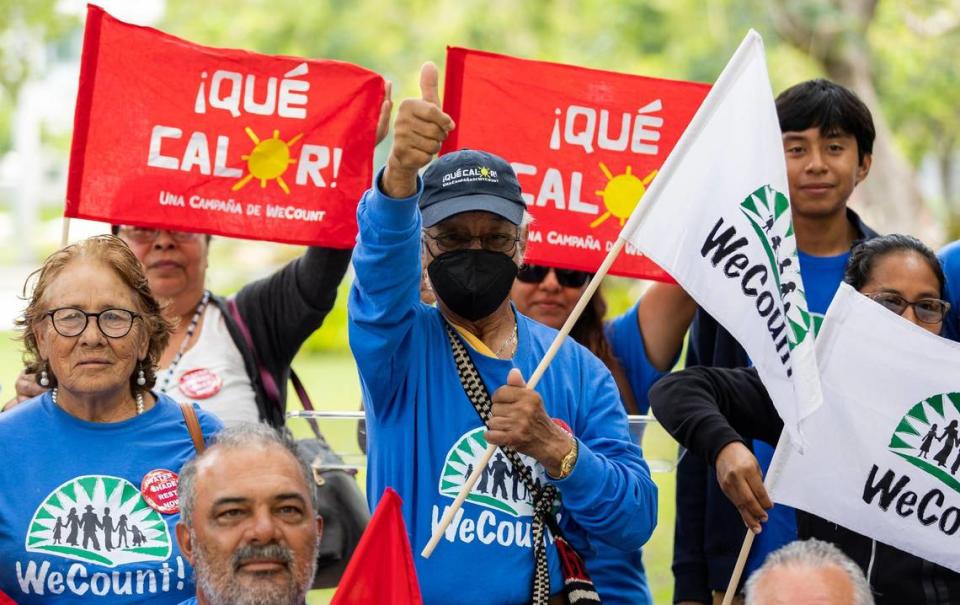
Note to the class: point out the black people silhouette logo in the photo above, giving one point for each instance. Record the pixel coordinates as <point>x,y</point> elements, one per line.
<point>99,519</point>
<point>928,437</point>
<point>768,211</point>
<point>499,487</point>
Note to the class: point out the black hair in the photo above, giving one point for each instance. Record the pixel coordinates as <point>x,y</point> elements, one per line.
<point>864,257</point>
<point>831,108</point>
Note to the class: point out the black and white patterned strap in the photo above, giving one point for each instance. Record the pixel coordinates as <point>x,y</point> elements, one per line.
<point>543,497</point>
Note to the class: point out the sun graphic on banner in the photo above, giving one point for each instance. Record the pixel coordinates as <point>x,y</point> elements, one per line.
<point>268,160</point>
<point>622,194</point>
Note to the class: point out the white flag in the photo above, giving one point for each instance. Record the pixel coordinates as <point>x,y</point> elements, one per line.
<point>717,219</point>
<point>882,456</point>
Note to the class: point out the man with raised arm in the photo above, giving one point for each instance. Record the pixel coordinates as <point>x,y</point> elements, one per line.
<point>463,224</point>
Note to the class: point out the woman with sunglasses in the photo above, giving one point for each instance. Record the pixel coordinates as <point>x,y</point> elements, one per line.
<point>88,491</point>
<point>638,347</point>
<point>711,411</point>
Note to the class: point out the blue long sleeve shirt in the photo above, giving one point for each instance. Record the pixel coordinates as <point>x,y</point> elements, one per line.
<point>425,437</point>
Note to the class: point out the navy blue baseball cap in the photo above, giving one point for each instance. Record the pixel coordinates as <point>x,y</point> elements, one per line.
<point>467,180</point>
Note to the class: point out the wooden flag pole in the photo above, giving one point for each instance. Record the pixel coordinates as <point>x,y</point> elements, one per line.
<point>738,568</point>
<point>65,233</point>
<point>748,539</point>
<point>532,383</point>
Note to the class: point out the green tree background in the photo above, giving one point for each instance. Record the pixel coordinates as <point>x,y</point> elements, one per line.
<point>900,56</point>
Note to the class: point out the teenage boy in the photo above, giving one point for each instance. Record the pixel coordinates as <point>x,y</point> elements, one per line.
<point>828,138</point>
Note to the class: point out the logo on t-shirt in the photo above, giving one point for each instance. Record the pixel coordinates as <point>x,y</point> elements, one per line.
<point>99,519</point>
<point>499,487</point>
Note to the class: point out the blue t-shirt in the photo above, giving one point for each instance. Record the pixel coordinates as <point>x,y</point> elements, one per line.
<point>623,332</point>
<point>74,527</point>
<point>619,576</point>
<point>425,435</point>
<point>950,259</point>
<point>821,277</point>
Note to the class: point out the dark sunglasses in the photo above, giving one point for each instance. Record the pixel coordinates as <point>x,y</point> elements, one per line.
<point>568,278</point>
<point>927,310</point>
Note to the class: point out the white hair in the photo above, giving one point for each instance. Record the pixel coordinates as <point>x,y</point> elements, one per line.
<point>245,435</point>
<point>812,554</point>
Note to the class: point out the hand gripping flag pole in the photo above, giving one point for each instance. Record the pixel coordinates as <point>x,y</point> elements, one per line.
<point>726,79</point>
<point>531,384</point>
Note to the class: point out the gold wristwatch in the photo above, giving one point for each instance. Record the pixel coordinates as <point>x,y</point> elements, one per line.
<point>568,462</point>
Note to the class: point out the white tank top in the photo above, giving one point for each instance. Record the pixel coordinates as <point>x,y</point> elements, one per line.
<point>214,360</point>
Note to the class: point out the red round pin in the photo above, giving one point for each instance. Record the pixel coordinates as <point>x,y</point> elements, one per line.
<point>200,383</point>
<point>159,491</point>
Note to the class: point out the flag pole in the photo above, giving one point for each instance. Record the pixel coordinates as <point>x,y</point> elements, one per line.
<point>728,74</point>
<point>532,383</point>
<point>65,232</point>
<point>768,481</point>
<point>738,568</point>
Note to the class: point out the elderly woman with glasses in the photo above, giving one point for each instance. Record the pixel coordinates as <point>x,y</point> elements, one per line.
<point>88,489</point>
<point>218,345</point>
<point>712,410</point>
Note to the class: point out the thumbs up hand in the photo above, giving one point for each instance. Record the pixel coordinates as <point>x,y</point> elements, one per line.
<point>418,132</point>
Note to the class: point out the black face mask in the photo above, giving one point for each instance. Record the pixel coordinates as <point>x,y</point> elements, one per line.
<point>472,283</point>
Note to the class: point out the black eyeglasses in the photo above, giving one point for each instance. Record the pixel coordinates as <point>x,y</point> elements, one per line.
<point>492,242</point>
<point>113,323</point>
<point>142,235</point>
<point>927,310</point>
<point>568,278</point>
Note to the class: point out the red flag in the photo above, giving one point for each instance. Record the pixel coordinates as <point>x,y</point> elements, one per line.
<point>5,600</point>
<point>585,144</point>
<point>172,134</point>
<point>381,569</point>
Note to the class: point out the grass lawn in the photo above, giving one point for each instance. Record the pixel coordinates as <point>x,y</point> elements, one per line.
<point>332,383</point>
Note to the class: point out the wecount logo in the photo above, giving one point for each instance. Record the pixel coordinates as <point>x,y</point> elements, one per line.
<point>928,437</point>
<point>768,211</point>
<point>99,519</point>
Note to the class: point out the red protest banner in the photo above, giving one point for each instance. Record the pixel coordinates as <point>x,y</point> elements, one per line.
<point>585,144</point>
<point>170,134</point>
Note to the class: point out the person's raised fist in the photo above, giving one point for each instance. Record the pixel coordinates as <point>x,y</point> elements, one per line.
<point>418,132</point>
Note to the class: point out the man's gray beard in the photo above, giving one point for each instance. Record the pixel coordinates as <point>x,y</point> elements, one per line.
<point>219,588</point>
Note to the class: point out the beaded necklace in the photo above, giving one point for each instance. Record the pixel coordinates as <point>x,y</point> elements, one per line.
<point>168,375</point>
<point>139,400</point>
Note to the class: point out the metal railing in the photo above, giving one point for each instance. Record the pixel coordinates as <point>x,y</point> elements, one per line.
<point>661,456</point>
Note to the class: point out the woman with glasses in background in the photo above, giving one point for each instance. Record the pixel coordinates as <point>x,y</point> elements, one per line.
<point>88,497</point>
<point>712,410</point>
